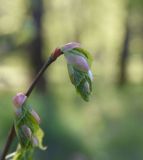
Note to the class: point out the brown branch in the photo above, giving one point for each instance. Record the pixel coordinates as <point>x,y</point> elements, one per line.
<point>11,135</point>
<point>9,140</point>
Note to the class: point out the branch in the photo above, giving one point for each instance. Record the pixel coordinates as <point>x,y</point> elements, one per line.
<point>11,135</point>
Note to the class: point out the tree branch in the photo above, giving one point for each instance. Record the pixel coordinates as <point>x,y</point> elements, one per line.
<point>11,135</point>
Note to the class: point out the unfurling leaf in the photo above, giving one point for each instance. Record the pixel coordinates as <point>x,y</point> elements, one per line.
<point>79,62</point>
<point>28,131</point>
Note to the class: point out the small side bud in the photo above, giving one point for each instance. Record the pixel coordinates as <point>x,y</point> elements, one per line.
<point>19,99</point>
<point>35,142</point>
<point>27,131</point>
<point>35,116</point>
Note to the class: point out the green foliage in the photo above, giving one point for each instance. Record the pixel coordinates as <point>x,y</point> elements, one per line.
<point>28,132</point>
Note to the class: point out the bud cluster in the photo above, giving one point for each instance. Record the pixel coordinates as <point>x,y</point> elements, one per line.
<point>27,132</point>
<point>25,128</point>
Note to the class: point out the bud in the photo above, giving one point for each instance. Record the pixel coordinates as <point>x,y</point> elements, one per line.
<point>35,116</point>
<point>19,99</point>
<point>57,53</point>
<point>78,62</point>
<point>70,46</point>
<point>34,141</point>
<point>27,131</point>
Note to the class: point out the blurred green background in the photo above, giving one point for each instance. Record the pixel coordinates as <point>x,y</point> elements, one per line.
<point>110,125</point>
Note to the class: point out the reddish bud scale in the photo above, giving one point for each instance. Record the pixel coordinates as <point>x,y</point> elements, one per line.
<point>56,53</point>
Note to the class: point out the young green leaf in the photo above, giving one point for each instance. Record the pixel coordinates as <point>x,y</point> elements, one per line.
<point>78,63</point>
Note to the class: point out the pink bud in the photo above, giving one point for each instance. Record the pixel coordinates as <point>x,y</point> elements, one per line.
<point>70,46</point>
<point>35,116</point>
<point>19,99</point>
<point>27,131</point>
<point>78,61</point>
<point>34,141</point>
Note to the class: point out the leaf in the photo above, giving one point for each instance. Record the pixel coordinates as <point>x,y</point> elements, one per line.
<point>81,89</point>
<point>40,134</point>
<point>78,79</point>
<point>76,76</point>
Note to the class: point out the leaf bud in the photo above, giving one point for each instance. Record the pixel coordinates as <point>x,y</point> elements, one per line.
<point>19,99</point>
<point>27,131</point>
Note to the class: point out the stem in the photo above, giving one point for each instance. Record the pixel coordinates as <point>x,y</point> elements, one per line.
<point>11,135</point>
<point>8,142</point>
<point>38,76</point>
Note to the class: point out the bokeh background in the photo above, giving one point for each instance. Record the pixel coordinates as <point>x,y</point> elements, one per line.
<point>110,125</point>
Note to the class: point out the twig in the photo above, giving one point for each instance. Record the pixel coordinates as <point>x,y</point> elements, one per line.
<point>11,135</point>
<point>8,142</point>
